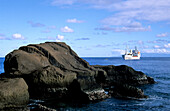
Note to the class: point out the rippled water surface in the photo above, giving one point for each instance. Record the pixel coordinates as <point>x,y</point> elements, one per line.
<point>159,93</point>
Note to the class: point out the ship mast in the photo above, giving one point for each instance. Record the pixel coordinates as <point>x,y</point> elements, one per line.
<point>126,50</point>
<point>135,48</point>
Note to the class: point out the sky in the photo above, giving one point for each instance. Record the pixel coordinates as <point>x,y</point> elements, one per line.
<point>92,28</point>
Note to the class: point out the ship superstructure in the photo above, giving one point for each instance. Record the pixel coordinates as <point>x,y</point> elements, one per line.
<point>131,54</point>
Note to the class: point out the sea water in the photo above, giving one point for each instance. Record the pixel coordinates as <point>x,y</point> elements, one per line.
<point>2,64</point>
<point>159,93</point>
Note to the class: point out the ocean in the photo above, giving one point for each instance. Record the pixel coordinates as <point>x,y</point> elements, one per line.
<point>159,93</point>
<point>2,64</point>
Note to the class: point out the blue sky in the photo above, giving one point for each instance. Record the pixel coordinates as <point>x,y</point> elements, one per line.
<point>95,28</point>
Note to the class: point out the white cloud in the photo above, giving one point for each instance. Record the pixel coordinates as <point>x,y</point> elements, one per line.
<point>63,2</point>
<point>92,3</point>
<point>134,42</point>
<point>83,39</point>
<point>133,11</point>
<point>140,42</point>
<point>152,10</point>
<point>167,45</point>
<point>36,24</point>
<point>144,46</point>
<point>120,19</point>
<point>165,51</point>
<point>67,29</point>
<point>127,14</point>
<point>126,29</point>
<point>74,21</point>
<point>156,51</point>
<point>101,46</point>
<point>119,51</point>
<point>162,35</point>
<point>18,36</point>
<point>158,41</point>
<point>125,22</point>
<point>2,37</point>
<point>59,38</point>
<point>157,46</point>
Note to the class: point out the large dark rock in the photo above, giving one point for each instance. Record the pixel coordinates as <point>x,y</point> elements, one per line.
<point>127,92</point>
<point>50,69</point>
<point>37,56</point>
<point>124,75</point>
<point>53,70</point>
<point>13,93</point>
<point>121,81</point>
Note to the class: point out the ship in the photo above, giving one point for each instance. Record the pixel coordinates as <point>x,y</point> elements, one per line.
<point>131,54</point>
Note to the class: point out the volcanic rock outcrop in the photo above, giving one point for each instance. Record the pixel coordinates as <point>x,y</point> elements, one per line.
<point>50,69</point>
<point>53,71</point>
<point>121,81</point>
<point>123,75</point>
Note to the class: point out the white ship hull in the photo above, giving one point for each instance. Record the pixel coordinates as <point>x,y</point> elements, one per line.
<point>130,57</point>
